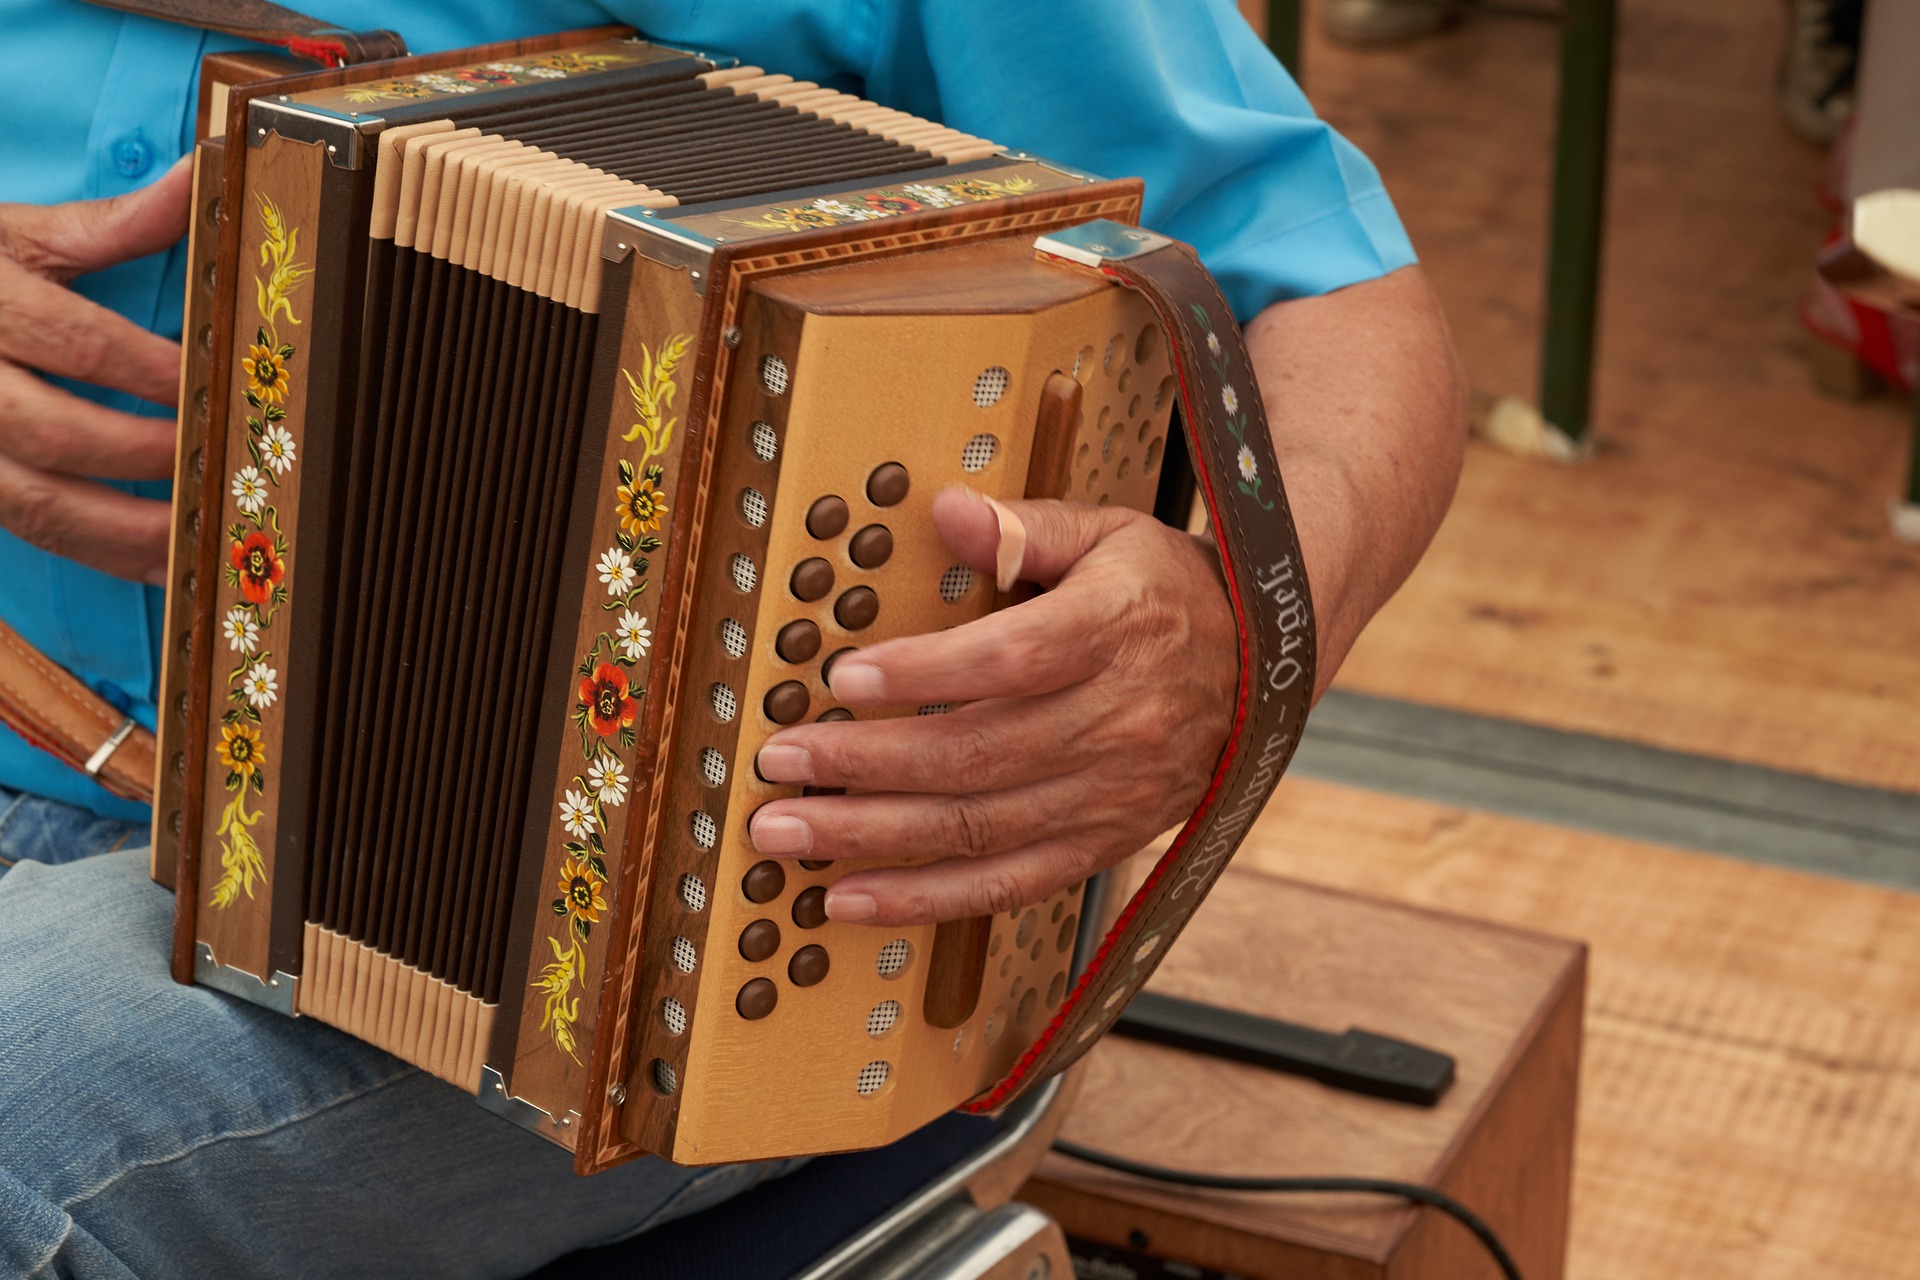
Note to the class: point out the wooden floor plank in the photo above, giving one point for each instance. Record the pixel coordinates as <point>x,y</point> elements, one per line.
<point>1751,1092</point>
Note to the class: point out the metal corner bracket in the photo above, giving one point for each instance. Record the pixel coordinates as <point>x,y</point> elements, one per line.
<point>1093,243</point>
<point>640,229</point>
<point>344,134</point>
<point>1067,169</point>
<point>494,1097</point>
<point>277,993</point>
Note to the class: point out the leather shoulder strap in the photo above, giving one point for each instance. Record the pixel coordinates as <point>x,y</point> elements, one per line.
<point>53,711</point>
<point>266,23</point>
<point>1239,480</point>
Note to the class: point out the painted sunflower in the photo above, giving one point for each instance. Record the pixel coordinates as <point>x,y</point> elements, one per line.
<point>259,565</point>
<point>242,751</point>
<point>266,373</point>
<point>580,891</point>
<point>610,706</point>
<point>640,507</point>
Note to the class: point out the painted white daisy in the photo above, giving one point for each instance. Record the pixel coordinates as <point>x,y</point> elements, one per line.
<point>608,780</point>
<point>243,633</point>
<point>547,73</point>
<point>514,67</point>
<point>616,570</point>
<point>250,490</point>
<point>262,685</point>
<point>576,815</point>
<point>1249,471</point>
<point>937,197</point>
<point>633,636</point>
<point>277,446</point>
<point>1230,398</point>
<point>1213,342</point>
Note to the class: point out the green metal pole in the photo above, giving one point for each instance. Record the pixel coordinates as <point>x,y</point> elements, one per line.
<point>1579,215</point>
<point>1283,33</point>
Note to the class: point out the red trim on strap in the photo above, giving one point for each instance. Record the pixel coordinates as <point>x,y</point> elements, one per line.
<point>328,53</point>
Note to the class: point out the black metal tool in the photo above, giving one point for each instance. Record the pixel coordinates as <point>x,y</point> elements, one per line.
<point>1356,1060</point>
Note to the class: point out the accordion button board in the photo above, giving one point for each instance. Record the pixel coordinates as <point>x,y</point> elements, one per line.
<point>572,407</point>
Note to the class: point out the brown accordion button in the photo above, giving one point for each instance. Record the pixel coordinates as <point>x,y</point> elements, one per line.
<point>764,881</point>
<point>756,999</point>
<point>830,717</point>
<point>810,908</point>
<point>871,546</point>
<point>786,702</point>
<point>759,940</point>
<point>815,864</point>
<point>826,673</point>
<point>812,579</point>
<point>808,967</point>
<point>827,517</point>
<point>797,641</point>
<point>856,608</point>
<point>887,485</point>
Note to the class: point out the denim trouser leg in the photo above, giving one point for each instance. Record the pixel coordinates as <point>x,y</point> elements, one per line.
<point>153,1130</point>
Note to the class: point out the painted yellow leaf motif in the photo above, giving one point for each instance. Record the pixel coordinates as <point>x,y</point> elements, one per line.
<point>240,861</point>
<point>279,251</point>
<point>556,981</point>
<point>653,393</point>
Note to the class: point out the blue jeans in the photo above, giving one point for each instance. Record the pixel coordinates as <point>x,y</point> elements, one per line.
<point>152,1130</point>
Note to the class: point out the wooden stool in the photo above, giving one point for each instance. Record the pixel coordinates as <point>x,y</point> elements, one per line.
<point>1506,1004</point>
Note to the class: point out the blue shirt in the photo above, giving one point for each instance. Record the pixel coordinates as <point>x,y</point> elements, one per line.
<point>1181,94</point>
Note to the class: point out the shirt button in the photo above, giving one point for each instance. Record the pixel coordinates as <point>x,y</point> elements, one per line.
<point>132,156</point>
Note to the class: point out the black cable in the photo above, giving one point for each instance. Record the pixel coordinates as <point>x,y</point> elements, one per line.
<point>1371,1186</point>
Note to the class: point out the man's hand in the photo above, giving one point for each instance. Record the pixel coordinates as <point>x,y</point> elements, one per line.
<point>1094,714</point>
<point>50,439</point>
<point>1097,711</point>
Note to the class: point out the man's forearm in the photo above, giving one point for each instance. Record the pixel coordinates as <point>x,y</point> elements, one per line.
<point>1369,412</point>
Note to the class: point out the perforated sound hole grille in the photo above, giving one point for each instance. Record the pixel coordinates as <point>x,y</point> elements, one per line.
<point>684,956</point>
<point>693,892</point>
<point>674,1014</point>
<point>977,453</point>
<point>894,957</point>
<point>935,709</point>
<point>884,1015</point>
<point>745,576</point>
<point>663,1078</point>
<point>724,704</point>
<point>753,507</point>
<point>989,387</point>
<point>955,582</point>
<point>773,374</point>
<point>705,829</point>
<point>871,1077</point>
<point>733,637</point>
<point>713,766</point>
<point>766,443</point>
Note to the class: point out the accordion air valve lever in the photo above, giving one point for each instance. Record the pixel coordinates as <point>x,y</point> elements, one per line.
<point>558,414</point>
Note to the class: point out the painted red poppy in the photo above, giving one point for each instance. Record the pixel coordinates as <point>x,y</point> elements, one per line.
<point>480,75</point>
<point>893,204</point>
<point>260,566</point>
<point>605,696</point>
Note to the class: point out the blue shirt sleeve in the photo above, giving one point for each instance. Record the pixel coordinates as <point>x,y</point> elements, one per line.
<point>1182,95</point>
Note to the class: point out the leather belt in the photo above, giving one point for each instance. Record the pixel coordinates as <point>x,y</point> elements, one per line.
<point>56,713</point>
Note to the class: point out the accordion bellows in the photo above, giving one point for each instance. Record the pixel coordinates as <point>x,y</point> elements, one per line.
<point>555,419</point>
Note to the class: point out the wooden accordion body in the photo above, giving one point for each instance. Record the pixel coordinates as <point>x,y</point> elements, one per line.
<point>555,413</point>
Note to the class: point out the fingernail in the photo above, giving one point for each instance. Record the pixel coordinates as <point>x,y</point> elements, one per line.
<point>774,833</point>
<point>849,907</point>
<point>856,680</point>
<point>785,764</point>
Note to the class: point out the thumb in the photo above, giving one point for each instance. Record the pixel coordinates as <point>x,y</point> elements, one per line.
<point>66,240</point>
<point>987,533</point>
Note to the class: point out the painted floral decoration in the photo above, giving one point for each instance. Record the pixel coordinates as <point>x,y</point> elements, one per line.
<point>607,697</point>
<point>1245,461</point>
<point>913,197</point>
<point>491,75</point>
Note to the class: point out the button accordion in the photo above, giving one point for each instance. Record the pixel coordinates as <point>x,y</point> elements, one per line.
<point>556,413</point>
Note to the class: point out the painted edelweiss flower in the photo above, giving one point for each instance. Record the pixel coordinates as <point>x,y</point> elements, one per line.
<point>1249,471</point>
<point>262,685</point>
<point>266,373</point>
<point>276,447</point>
<point>616,570</point>
<point>242,632</point>
<point>632,635</point>
<point>259,565</point>
<point>580,891</point>
<point>608,780</point>
<point>514,67</point>
<point>610,707</point>
<point>1213,342</point>
<point>1230,398</point>
<point>250,490</point>
<point>576,815</point>
<point>640,507</point>
<point>241,750</point>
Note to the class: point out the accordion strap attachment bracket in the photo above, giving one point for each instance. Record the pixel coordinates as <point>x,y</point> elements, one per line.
<point>51,709</point>
<point>265,23</point>
<point>1266,583</point>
